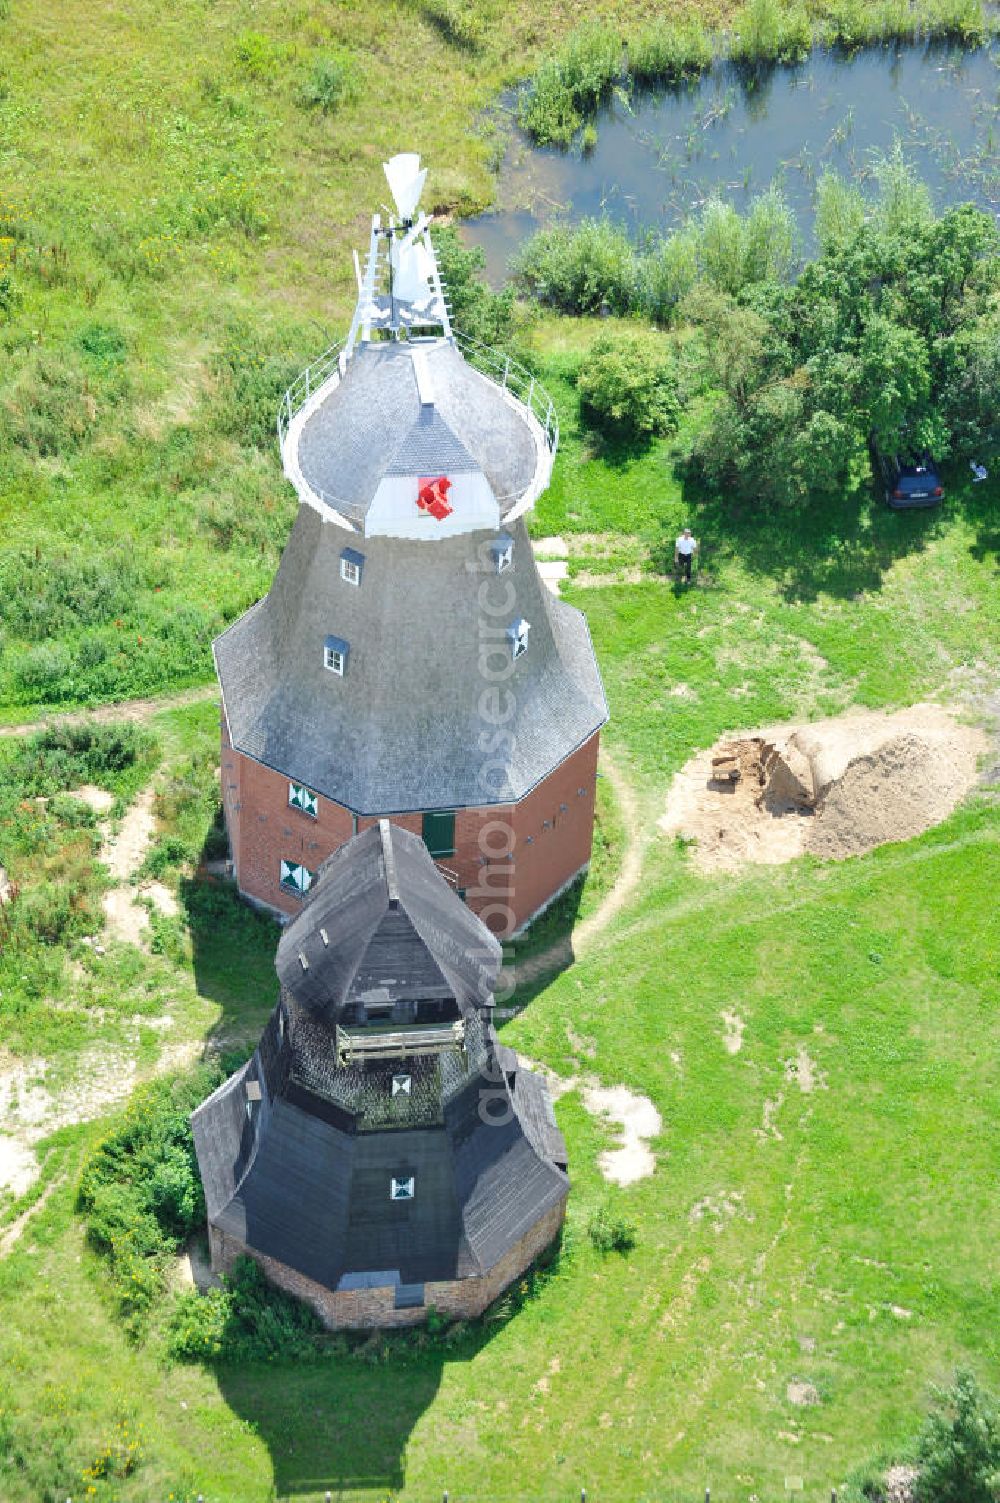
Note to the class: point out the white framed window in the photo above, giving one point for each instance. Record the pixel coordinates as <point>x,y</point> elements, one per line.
<point>402,1085</point>
<point>300,797</point>
<point>517,636</point>
<point>402,1187</point>
<point>502,550</point>
<point>295,877</point>
<point>351,565</point>
<point>334,660</point>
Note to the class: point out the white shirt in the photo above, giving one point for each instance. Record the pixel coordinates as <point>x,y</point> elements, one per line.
<point>686,545</point>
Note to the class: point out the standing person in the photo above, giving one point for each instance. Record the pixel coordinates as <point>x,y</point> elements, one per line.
<point>685,549</point>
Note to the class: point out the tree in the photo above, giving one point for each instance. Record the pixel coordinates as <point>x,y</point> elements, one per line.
<point>970,381</point>
<point>628,386</point>
<point>893,383</point>
<point>959,1449</point>
<point>476,310</point>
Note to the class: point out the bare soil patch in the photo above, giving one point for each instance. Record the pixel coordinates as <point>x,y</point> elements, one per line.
<point>638,1120</point>
<point>635,1115</point>
<point>123,854</point>
<point>834,788</point>
<point>733,1036</point>
<point>98,799</point>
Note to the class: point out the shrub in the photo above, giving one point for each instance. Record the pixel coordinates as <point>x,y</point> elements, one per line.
<point>610,1231</point>
<point>252,379</point>
<point>72,812</point>
<point>962,21</point>
<point>52,913</point>
<point>335,80</point>
<point>43,671</point>
<point>840,211</point>
<point>456,21</point>
<point>737,251</point>
<point>766,33</point>
<point>628,386</point>
<point>257,55</point>
<point>141,1193</point>
<point>582,269</point>
<point>226,201</point>
<point>904,202</point>
<point>167,852</point>
<point>102,343</point>
<point>44,595</point>
<point>49,408</point>
<point>668,273</point>
<point>64,756</point>
<point>959,1447</point>
<point>246,1320</point>
<point>574,81</point>
<point>8,294</point>
<point>669,52</point>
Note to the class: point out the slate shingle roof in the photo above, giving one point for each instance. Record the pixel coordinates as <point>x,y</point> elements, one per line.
<point>296,1180</point>
<point>370,425</point>
<point>404,728</point>
<point>391,924</point>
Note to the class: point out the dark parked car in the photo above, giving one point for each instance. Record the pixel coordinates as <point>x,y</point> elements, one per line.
<point>907,481</point>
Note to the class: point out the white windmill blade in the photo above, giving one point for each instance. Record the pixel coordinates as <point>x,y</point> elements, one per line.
<point>406,181</point>
<point>421,224</point>
<point>411,282</point>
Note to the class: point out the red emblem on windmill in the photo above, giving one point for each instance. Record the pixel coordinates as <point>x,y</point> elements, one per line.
<point>432,497</point>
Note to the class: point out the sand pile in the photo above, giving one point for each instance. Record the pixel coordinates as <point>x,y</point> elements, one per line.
<point>834,787</point>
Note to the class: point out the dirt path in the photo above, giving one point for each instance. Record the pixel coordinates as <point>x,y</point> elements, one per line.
<point>562,952</point>
<point>628,876</point>
<point>123,854</point>
<point>126,709</point>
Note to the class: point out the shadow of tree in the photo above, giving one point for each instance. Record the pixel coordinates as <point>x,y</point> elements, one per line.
<point>980,504</point>
<point>841,546</point>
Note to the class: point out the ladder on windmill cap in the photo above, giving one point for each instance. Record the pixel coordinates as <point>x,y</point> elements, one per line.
<point>389,861</point>
<point>425,381</point>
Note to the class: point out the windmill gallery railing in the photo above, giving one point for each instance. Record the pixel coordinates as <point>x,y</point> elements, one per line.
<point>509,374</point>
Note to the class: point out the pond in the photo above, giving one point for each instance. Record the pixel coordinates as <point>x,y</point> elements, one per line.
<point>659,155</point>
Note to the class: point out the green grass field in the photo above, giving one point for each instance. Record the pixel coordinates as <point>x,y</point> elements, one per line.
<point>175,226</point>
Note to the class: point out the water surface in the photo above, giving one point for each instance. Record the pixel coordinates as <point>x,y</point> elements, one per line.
<point>660,155</point>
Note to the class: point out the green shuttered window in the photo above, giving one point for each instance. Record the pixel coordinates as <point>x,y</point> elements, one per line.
<point>439,834</point>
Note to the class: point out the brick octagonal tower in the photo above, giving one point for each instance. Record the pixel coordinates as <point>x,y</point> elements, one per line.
<point>408,661</point>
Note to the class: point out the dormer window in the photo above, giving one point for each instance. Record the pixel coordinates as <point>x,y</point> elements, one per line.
<point>296,878</point>
<point>402,1187</point>
<point>502,552</point>
<point>300,797</point>
<point>335,651</point>
<point>517,636</point>
<point>351,565</point>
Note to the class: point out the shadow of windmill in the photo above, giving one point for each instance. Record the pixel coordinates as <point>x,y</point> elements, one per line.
<point>334,1425</point>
